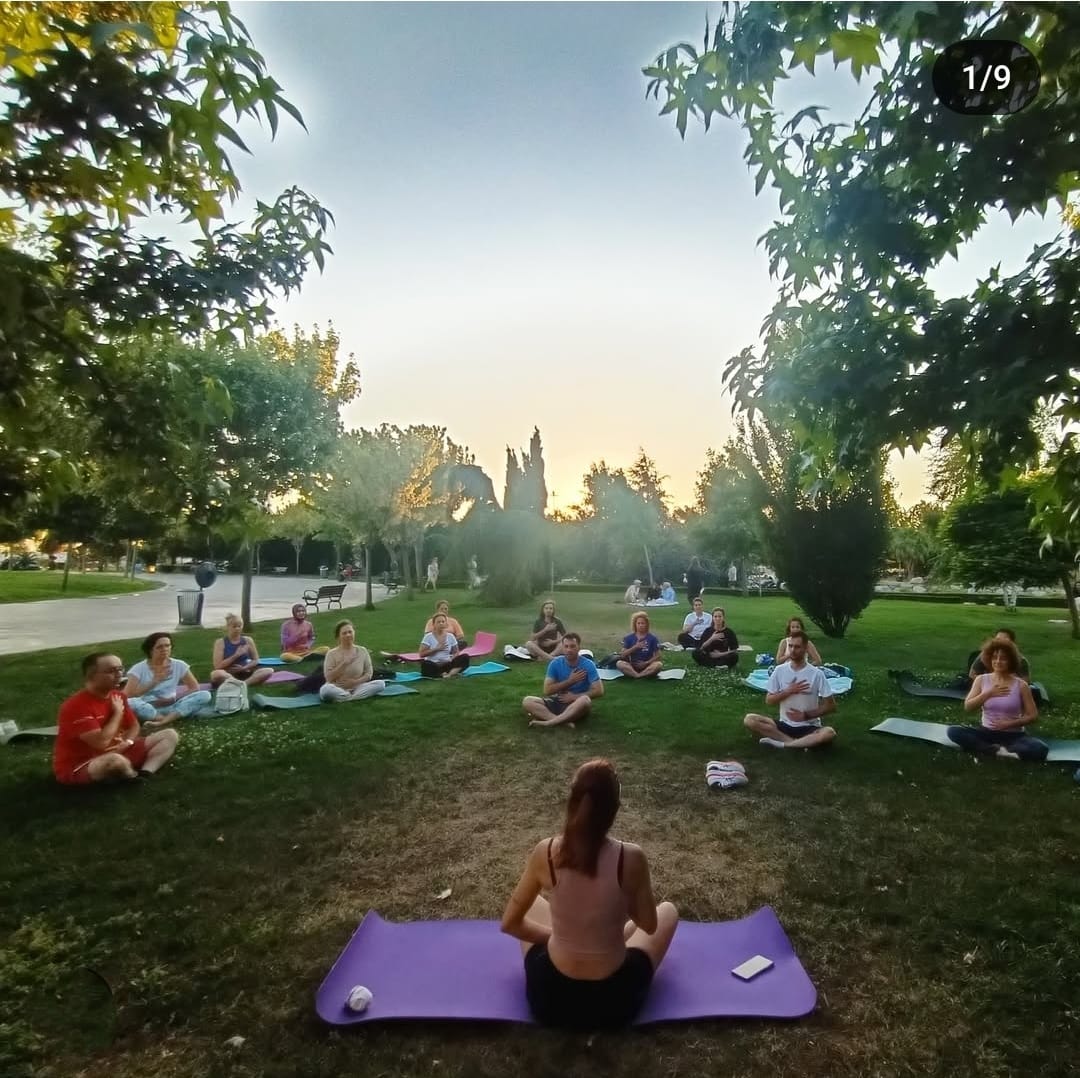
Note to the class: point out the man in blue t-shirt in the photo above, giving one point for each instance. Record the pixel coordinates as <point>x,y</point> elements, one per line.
<point>571,684</point>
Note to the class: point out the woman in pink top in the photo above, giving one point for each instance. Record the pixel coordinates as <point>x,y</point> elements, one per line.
<point>1007,707</point>
<point>592,946</point>
<point>298,637</point>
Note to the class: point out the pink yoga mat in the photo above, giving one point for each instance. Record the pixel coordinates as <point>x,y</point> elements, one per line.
<point>483,645</point>
<point>278,677</point>
<point>471,970</point>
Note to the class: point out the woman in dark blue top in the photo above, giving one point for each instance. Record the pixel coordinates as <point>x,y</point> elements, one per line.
<point>640,655</point>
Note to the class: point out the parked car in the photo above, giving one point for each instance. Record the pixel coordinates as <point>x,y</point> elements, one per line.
<point>23,562</point>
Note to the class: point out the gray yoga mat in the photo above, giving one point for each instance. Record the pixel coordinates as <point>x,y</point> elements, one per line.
<point>36,731</point>
<point>675,673</point>
<point>935,732</point>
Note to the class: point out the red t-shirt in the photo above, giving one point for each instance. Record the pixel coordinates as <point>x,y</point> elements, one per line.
<point>84,713</point>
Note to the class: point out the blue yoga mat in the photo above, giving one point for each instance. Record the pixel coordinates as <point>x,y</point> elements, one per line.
<point>759,680</point>
<point>411,675</point>
<point>484,668</point>
<point>272,662</point>
<point>394,689</point>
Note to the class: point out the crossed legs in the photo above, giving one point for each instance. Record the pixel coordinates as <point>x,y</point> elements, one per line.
<point>764,727</point>
<point>541,715</point>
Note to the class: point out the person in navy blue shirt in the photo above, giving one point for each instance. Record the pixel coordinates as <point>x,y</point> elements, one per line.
<point>640,655</point>
<point>571,684</point>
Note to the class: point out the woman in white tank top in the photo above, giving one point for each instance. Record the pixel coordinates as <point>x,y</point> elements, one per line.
<point>592,946</point>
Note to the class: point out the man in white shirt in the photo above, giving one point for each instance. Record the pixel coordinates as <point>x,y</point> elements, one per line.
<point>804,696</point>
<point>694,626</point>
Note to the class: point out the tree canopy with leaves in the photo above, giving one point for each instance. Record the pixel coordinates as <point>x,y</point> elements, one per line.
<point>859,346</point>
<point>112,112</point>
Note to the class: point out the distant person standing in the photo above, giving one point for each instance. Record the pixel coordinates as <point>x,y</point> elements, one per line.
<point>695,580</point>
<point>732,575</point>
<point>432,575</point>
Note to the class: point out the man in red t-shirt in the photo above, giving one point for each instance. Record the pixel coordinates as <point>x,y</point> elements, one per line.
<point>98,736</point>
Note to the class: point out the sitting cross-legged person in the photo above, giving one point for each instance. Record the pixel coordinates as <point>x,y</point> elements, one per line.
<point>571,684</point>
<point>1007,708</point>
<point>547,635</point>
<point>97,736</point>
<point>161,689</point>
<point>695,625</point>
<point>347,669</point>
<point>440,656</point>
<point>640,654</point>
<point>298,637</point>
<point>452,623</point>
<point>719,645</point>
<point>236,656</point>
<point>804,696</point>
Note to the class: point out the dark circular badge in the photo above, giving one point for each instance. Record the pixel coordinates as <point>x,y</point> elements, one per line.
<point>986,77</point>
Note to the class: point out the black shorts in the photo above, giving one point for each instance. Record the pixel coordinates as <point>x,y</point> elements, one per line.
<point>569,1003</point>
<point>555,705</point>
<point>795,731</point>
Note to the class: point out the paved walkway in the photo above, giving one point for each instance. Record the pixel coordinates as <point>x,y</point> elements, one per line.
<point>69,622</point>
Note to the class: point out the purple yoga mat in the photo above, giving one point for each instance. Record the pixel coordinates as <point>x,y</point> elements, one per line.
<point>471,970</point>
<point>278,677</point>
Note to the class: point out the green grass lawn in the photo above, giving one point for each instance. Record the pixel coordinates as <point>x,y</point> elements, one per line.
<point>26,587</point>
<point>932,899</point>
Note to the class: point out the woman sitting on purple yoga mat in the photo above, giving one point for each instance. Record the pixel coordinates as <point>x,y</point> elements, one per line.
<point>1007,707</point>
<point>592,946</point>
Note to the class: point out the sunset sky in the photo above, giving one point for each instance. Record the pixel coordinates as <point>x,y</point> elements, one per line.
<point>521,240</point>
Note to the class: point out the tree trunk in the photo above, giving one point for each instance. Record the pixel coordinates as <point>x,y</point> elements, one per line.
<point>369,603</point>
<point>418,554</point>
<point>134,557</point>
<point>403,554</point>
<point>648,564</point>
<point>1070,602</point>
<point>337,559</point>
<point>245,586</point>
<point>298,547</point>
<point>67,566</point>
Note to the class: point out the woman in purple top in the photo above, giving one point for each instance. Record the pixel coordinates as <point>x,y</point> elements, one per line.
<point>1007,707</point>
<point>298,637</point>
<point>640,655</point>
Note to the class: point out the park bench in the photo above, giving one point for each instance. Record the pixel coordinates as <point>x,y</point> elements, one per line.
<point>330,592</point>
<point>391,585</point>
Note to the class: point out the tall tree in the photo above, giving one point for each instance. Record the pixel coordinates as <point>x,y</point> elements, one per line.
<point>281,427</point>
<point>297,522</point>
<point>992,544</point>
<point>111,112</point>
<point>526,486</point>
<point>360,498</point>
<point>858,344</point>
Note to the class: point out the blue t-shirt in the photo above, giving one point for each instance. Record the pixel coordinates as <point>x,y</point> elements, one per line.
<point>646,653</point>
<point>559,670</point>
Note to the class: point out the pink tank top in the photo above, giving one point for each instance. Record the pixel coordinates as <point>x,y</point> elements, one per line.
<point>588,912</point>
<point>998,708</point>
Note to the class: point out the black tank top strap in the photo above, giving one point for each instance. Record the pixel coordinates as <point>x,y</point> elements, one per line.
<point>551,866</point>
<point>618,870</point>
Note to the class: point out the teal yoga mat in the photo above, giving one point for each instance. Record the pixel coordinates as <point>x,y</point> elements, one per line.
<point>935,732</point>
<point>286,703</point>
<point>484,668</point>
<point>759,680</point>
<point>411,675</point>
<point>394,689</point>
